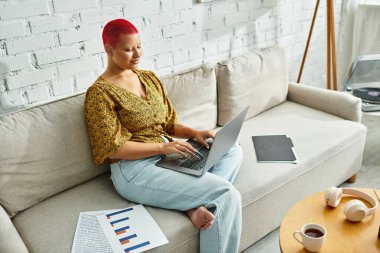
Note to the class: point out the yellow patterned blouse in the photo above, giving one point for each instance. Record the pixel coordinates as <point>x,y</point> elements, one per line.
<point>114,115</point>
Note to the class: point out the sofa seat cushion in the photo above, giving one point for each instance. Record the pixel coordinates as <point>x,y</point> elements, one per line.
<point>193,95</point>
<point>315,138</point>
<point>40,226</point>
<point>258,79</point>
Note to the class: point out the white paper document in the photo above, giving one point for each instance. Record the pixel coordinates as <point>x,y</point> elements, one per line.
<point>89,235</point>
<point>119,231</point>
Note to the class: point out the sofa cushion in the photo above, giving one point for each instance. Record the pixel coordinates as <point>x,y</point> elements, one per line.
<point>44,150</point>
<point>258,79</point>
<point>62,211</point>
<point>10,240</point>
<point>194,96</point>
<point>315,139</point>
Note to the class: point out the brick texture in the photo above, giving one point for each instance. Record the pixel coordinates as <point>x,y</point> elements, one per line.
<point>63,86</point>
<point>26,79</point>
<point>38,93</point>
<point>76,67</point>
<point>53,48</point>
<point>12,99</point>
<point>87,33</point>
<point>21,10</point>
<point>47,24</point>
<point>30,43</point>
<point>14,63</point>
<point>72,5</point>
<point>57,54</point>
<point>11,30</point>
<point>84,80</point>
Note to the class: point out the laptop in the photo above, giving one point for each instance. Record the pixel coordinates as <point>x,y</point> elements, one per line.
<point>203,160</point>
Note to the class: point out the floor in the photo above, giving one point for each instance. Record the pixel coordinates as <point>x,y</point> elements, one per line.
<point>368,176</point>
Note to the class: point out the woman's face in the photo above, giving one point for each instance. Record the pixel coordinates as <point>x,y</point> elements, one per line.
<point>127,52</point>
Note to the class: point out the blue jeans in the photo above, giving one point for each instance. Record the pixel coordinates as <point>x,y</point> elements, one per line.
<point>141,181</point>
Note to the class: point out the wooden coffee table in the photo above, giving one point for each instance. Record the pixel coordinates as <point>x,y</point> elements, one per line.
<point>342,235</point>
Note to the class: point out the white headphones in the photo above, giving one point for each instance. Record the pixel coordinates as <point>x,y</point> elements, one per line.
<point>354,210</point>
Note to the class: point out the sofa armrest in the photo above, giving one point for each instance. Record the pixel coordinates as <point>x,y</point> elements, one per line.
<point>333,102</point>
<point>10,240</point>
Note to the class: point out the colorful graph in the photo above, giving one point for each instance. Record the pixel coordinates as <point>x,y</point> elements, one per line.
<point>136,247</point>
<point>121,230</point>
<point>127,231</point>
<point>118,212</point>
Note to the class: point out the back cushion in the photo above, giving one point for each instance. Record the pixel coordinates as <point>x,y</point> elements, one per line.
<point>193,95</point>
<point>44,150</point>
<point>258,79</point>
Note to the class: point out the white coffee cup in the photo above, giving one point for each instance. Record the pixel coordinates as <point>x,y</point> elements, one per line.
<point>312,236</point>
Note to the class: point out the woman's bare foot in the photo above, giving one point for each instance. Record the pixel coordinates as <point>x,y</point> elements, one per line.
<point>201,217</point>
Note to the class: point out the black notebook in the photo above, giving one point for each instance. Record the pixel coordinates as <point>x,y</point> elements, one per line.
<point>274,148</point>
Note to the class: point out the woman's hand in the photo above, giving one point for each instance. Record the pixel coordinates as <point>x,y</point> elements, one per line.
<point>178,146</point>
<point>182,131</point>
<point>202,135</point>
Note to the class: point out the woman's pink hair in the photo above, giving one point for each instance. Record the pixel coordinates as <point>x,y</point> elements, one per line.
<point>113,29</point>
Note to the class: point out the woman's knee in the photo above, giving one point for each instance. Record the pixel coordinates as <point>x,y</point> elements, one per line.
<point>236,149</point>
<point>232,196</point>
<point>235,195</point>
<point>235,155</point>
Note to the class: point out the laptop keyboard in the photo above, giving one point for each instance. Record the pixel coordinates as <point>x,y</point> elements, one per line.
<point>196,162</point>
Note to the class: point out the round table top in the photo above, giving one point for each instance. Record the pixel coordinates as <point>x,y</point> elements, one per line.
<point>342,235</point>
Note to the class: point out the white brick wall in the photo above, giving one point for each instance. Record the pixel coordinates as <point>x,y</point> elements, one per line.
<point>100,16</point>
<point>211,49</point>
<point>158,47</point>
<point>24,80</point>
<point>12,99</point>
<point>112,2</point>
<point>183,4</point>
<point>75,67</point>
<point>56,23</point>
<point>164,60</point>
<point>180,56</point>
<point>38,93</point>
<point>11,30</point>
<point>73,5</point>
<point>29,44</point>
<point>150,34</point>
<point>63,86</point>
<point>177,29</point>
<point>83,34</point>
<point>221,9</point>
<point>249,5</point>
<point>57,54</point>
<point>50,49</point>
<point>93,47</point>
<point>2,86</point>
<point>18,62</point>
<point>84,80</point>
<point>160,20</point>
<point>11,10</point>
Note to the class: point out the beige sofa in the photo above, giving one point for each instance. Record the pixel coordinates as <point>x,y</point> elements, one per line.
<point>47,176</point>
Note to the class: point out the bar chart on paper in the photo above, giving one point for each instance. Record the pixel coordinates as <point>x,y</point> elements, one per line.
<point>131,230</point>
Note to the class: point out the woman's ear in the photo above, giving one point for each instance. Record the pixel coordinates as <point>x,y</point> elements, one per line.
<point>108,49</point>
